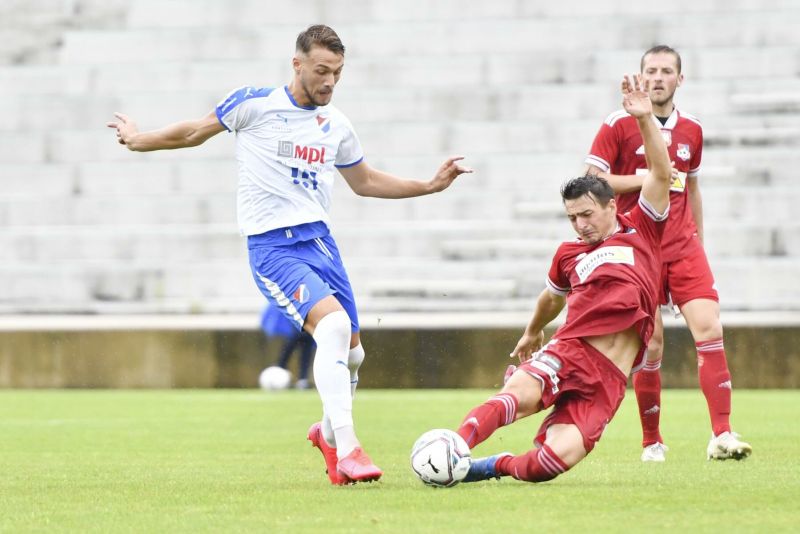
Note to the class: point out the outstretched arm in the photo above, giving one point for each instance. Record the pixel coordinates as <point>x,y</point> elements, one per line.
<point>623,183</point>
<point>369,182</point>
<point>656,183</point>
<point>548,306</point>
<point>177,135</point>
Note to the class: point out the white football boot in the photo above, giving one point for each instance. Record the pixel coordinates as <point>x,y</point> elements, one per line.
<point>657,452</point>
<point>728,446</point>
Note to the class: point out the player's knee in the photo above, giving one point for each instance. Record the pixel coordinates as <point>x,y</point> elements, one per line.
<point>568,443</point>
<point>708,329</point>
<point>655,352</point>
<point>528,392</point>
<point>655,348</point>
<point>333,330</point>
<point>355,357</point>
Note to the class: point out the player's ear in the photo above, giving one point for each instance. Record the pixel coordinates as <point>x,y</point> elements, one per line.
<point>296,63</point>
<point>680,79</point>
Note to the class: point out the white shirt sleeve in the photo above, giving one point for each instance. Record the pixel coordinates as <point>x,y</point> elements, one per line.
<point>350,152</point>
<point>235,116</point>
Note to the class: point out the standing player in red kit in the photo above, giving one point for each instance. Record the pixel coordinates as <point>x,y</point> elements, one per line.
<point>607,278</point>
<point>686,280</point>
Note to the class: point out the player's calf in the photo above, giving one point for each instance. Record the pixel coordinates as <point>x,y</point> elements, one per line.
<point>538,465</point>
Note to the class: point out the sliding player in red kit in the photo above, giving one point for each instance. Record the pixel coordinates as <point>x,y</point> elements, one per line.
<point>607,278</point>
<point>686,279</point>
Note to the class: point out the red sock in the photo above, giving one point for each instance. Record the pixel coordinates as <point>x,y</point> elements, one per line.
<point>537,465</point>
<point>647,386</point>
<point>483,420</point>
<point>715,381</point>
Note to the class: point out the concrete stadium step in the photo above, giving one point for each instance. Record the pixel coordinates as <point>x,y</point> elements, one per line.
<point>55,80</point>
<point>501,248</point>
<point>96,145</point>
<point>708,30</point>
<point>189,13</point>
<point>371,305</point>
<point>756,239</point>
<point>722,239</point>
<point>689,8</point>
<point>473,138</point>
<point>185,13</point>
<point>198,288</point>
<point>224,305</point>
<point>753,204</point>
<point>412,266</point>
<point>135,281</point>
<point>744,136</point>
<point>459,202</point>
<point>420,238</point>
<point>32,29</point>
<point>780,101</point>
<point>365,105</point>
<point>751,165</point>
<point>436,287</point>
<point>39,180</point>
<point>757,284</point>
<point>112,210</point>
<point>169,242</point>
<point>164,243</point>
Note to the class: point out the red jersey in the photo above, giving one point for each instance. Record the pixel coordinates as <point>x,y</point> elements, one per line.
<point>618,149</point>
<point>612,285</point>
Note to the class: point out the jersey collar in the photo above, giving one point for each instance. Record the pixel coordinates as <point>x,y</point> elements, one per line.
<point>671,121</point>
<point>293,101</point>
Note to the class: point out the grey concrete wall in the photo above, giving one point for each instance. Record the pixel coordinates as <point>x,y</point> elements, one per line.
<point>760,357</point>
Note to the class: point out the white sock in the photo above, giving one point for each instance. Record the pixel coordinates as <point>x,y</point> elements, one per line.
<point>345,435</point>
<point>354,359</point>
<point>332,378</point>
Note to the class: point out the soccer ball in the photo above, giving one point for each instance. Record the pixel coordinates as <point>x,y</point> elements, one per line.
<point>440,458</point>
<point>274,378</point>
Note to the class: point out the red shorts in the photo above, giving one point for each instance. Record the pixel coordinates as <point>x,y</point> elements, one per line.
<point>688,278</point>
<point>584,387</point>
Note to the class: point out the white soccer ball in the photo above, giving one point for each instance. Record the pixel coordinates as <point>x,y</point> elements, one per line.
<point>440,458</point>
<point>274,378</point>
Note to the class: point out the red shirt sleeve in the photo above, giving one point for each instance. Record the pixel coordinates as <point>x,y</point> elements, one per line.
<point>557,280</point>
<point>648,222</point>
<point>694,164</point>
<point>605,148</point>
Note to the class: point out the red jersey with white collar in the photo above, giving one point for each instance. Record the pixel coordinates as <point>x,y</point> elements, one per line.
<point>618,149</point>
<point>612,285</point>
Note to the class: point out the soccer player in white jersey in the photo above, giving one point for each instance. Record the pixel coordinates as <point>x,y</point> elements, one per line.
<point>289,143</point>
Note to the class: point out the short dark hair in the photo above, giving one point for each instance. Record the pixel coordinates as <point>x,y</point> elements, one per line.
<point>661,49</point>
<point>319,35</point>
<point>599,188</point>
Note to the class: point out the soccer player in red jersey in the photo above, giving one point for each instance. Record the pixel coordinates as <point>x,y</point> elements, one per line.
<point>686,279</point>
<point>607,278</point>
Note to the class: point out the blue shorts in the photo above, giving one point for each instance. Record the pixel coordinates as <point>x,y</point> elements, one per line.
<point>296,267</point>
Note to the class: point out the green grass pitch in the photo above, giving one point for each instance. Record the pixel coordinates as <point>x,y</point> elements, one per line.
<point>237,461</point>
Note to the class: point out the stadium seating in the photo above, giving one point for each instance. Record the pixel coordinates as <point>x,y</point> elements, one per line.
<point>518,87</point>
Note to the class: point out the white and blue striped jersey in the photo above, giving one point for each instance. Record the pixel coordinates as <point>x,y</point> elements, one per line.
<point>286,155</point>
